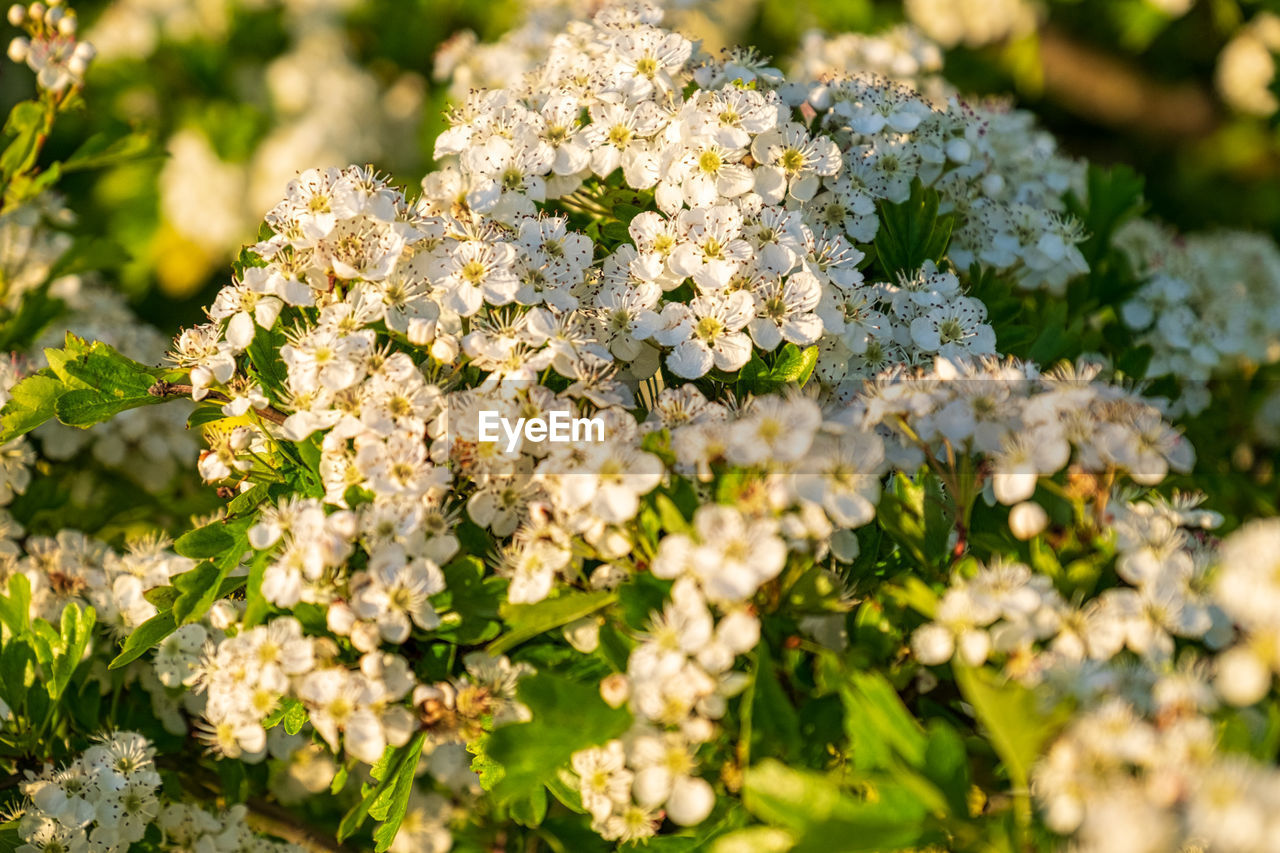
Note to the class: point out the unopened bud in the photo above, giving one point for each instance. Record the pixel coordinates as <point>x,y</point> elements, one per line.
<point>1027,520</point>
<point>17,14</point>
<point>615,689</point>
<point>18,49</point>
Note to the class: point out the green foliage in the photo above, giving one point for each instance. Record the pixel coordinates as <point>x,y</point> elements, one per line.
<point>387,799</point>
<point>816,814</point>
<point>567,716</point>
<point>911,232</point>
<point>84,384</point>
<point>791,366</point>
<point>527,621</point>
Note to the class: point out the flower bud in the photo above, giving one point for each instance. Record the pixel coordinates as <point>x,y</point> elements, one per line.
<point>222,615</point>
<point>18,49</point>
<point>615,689</point>
<point>1027,520</point>
<point>691,801</point>
<point>17,14</point>
<point>340,618</point>
<point>959,151</point>
<point>1242,679</point>
<point>36,10</point>
<point>992,185</point>
<point>67,26</point>
<point>583,634</point>
<point>652,786</point>
<point>932,644</point>
<point>54,15</point>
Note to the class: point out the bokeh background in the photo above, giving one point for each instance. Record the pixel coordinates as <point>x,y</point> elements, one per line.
<point>239,95</point>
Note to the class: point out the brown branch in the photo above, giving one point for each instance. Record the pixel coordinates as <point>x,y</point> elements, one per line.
<point>1106,89</point>
<point>174,389</point>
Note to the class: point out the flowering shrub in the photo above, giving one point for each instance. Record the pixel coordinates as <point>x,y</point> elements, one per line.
<point>882,541</point>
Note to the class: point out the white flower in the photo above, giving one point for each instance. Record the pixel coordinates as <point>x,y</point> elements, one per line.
<point>792,163</point>
<point>707,333</point>
<point>955,329</point>
<point>785,311</point>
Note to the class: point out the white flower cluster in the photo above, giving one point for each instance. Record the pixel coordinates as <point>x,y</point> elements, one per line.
<point>323,108</point>
<point>991,166</point>
<point>1247,588</point>
<point>246,677</point>
<point>187,827</point>
<point>72,568</point>
<point>16,459</point>
<point>1209,302</point>
<point>50,48</point>
<point>901,53</point>
<point>973,23</point>
<point>31,242</point>
<point>1246,67</point>
<point>31,245</point>
<point>680,676</point>
<point>1145,775</point>
<point>1140,766</point>
<point>1026,423</point>
<point>1009,611</point>
<point>102,802</point>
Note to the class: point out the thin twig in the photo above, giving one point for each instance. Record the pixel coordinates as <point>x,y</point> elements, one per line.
<point>174,389</point>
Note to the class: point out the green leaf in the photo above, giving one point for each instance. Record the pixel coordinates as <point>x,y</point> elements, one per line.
<point>775,728</point>
<point>295,717</point>
<point>77,630</point>
<point>794,365</point>
<point>31,403</point>
<point>530,810</point>
<point>1013,720</point>
<point>256,605</point>
<point>24,124</point>
<point>38,309</point>
<point>107,149</point>
<point>264,359</point>
<point>673,520</point>
<point>1114,195</point>
<point>529,620</point>
<point>206,542</point>
<point>98,383</point>
<point>822,817</point>
<point>144,638</point>
<point>912,232</point>
<point>388,799</point>
<point>199,588</point>
<point>17,671</point>
<point>567,716</point>
<point>15,608</point>
<point>472,598</point>
<point>947,765</point>
<point>879,726</point>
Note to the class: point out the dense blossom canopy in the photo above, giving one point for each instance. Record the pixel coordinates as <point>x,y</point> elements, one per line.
<point>857,559</point>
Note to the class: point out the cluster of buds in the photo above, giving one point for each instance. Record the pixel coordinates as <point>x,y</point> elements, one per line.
<point>50,47</point>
